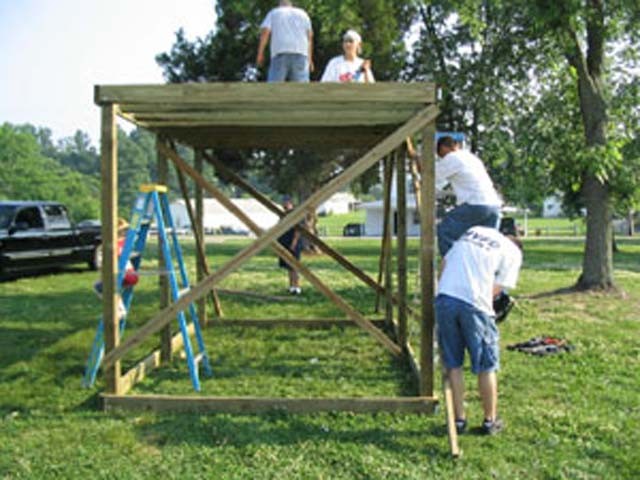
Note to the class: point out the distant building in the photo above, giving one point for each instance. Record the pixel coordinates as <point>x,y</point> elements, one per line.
<point>552,207</point>
<point>338,203</point>
<point>218,219</point>
<point>374,220</point>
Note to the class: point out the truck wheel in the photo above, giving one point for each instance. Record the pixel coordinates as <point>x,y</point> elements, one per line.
<point>96,259</point>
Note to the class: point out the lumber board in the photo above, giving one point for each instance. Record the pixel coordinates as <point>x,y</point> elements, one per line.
<point>281,118</point>
<point>303,323</point>
<point>266,93</point>
<point>285,255</point>
<point>401,202</point>
<point>337,138</point>
<point>427,259</point>
<point>157,110</point>
<point>385,226</point>
<point>417,123</point>
<point>166,352</point>
<point>249,405</point>
<point>109,203</point>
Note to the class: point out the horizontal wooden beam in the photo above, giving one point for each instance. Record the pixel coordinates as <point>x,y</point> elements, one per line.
<point>289,322</point>
<point>293,94</point>
<point>171,403</point>
<point>353,137</point>
<point>160,109</point>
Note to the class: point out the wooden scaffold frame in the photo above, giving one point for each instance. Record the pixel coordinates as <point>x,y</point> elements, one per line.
<point>376,119</point>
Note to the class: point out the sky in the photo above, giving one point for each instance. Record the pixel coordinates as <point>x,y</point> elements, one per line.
<point>52,53</point>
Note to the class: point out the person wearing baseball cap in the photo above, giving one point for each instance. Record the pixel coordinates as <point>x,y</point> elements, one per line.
<point>349,67</point>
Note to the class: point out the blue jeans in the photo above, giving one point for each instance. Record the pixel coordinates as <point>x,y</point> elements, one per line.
<point>460,326</point>
<point>461,219</point>
<point>289,67</point>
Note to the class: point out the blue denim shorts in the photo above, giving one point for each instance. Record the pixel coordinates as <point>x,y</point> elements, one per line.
<point>461,219</point>
<point>289,67</point>
<point>462,326</point>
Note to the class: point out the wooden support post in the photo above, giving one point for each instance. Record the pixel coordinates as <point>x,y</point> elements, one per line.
<point>388,242</point>
<point>427,258</point>
<point>110,298</point>
<point>201,257</point>
<point>166,353</point>
<point>386,205</point>
<point>402,244</point>
<point>198,232</point>
<point>416,123</point>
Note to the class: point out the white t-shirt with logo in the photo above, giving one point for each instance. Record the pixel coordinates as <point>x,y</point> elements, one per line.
<point>290,28</point>
<point>339,69</point>
<point>481,258</point>
<point>468,178</point>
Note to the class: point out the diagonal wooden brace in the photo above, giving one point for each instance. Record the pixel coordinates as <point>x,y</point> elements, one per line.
<point>321,244</point>
<point>286,255</point>
<point>423,118</point>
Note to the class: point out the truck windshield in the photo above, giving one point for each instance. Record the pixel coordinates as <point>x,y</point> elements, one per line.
<point>7,213</point>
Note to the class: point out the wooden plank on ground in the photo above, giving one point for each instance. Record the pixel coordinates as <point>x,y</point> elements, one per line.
<point>247,405</point>
<point>110,297</point>
<point>293,94</point>
<point>418,122</point>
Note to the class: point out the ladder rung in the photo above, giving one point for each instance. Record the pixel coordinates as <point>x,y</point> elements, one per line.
<point>183,291</point>
<point>198,358</point>
<point>135,254</point>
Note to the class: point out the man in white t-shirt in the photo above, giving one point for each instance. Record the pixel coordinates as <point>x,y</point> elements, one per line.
<point>291,43</point>
<point>477,201</point>
<point>349,67</point>
<point>479,264</point>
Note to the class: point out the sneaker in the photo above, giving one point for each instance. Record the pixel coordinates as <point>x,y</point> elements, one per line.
<point>461,425</point>
<point>490,427</point>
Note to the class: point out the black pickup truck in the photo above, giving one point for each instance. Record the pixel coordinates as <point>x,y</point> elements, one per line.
<point>37,235</point>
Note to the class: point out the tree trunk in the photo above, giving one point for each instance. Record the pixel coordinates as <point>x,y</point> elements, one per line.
<point>597,264</point>
<point>631,223</point>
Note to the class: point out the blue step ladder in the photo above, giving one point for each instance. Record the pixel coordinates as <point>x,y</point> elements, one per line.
<point>152,204</point>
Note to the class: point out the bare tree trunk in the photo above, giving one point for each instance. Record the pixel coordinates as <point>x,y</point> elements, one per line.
<point>597,264</point>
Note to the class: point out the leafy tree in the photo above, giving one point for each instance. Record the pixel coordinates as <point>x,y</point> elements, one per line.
<point>25,174</point>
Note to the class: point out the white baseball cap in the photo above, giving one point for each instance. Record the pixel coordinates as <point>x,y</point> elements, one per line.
<point>352,35</point>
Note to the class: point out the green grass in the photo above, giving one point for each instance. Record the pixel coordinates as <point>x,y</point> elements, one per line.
<point>570,416</point>
<point>332,225</point>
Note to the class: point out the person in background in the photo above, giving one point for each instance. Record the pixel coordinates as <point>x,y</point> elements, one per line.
<point>349,67</point>
<point>291,241</point>
<point>131,276</point>
<point>289,29</point>
<point>478,265</point>
<point>477,201</point>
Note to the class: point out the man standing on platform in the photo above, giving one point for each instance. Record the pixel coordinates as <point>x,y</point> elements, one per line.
<point>477,266</point>
<point>291,43</point>
<point>477,202</point>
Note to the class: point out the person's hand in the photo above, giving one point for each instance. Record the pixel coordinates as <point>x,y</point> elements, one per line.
<point>366,65</point>
<point>260,59</point>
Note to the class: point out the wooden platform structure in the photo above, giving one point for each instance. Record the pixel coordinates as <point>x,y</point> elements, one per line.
<point>375,119</point>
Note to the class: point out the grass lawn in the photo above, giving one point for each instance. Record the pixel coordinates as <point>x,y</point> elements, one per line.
<point>571,416</point>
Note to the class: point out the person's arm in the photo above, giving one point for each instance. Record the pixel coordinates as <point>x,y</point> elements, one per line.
<point>311,65</point>
<point>264,39</point>
<point>294,241</point>
<point>368,73</point>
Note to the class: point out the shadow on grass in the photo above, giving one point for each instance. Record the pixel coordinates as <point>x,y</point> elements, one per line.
<point>283,429</point>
